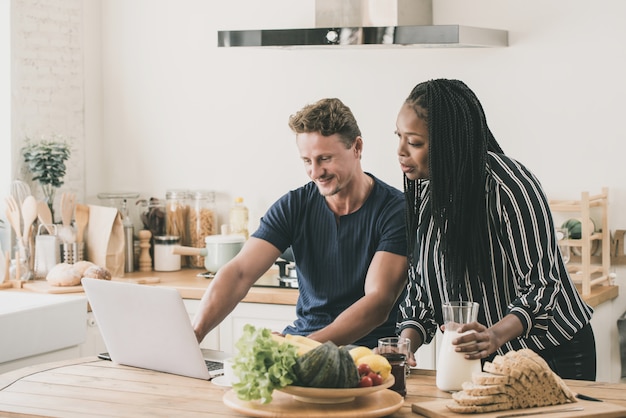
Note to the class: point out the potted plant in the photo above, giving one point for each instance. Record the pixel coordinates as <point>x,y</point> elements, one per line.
<point>46,162</point>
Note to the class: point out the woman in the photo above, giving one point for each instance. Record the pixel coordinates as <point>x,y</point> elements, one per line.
<point>479,229</point>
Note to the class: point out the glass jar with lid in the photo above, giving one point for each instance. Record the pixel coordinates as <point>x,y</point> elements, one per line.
<point>202,222</point>
<point>177,215</point>
<point>164,257</point>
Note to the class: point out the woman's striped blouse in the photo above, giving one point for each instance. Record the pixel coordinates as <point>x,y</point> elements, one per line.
<point>529,278</point>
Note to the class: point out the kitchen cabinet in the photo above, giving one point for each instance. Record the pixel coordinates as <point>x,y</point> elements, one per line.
<point>212,339</point>
<point>224,337</point>
<point>274,317</point>
<point>94,344</point>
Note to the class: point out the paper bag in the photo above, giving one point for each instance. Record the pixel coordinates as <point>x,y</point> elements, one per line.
<point>105,239</point>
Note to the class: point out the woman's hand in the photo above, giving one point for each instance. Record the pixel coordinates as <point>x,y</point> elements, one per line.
<point>477,344</point>
<point>485,341</point>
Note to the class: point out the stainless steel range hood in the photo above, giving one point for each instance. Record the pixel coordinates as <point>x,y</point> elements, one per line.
<point>387,23</point>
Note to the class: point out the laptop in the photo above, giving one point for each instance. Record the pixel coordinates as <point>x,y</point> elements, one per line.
<point>149,327</point>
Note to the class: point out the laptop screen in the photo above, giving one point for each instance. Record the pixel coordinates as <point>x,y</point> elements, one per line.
<point>146,326</point>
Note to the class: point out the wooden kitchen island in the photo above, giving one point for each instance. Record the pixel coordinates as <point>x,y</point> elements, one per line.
<point>89,387</point>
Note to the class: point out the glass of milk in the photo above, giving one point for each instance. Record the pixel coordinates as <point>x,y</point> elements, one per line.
<point>452,367</point>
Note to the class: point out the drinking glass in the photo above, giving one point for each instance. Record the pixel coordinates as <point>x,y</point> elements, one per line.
<point>562,235</point>
<point>396,350</point>
<point>452,367</point>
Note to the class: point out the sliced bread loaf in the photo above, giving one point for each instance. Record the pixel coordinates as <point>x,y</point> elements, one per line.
<point>519,379</point>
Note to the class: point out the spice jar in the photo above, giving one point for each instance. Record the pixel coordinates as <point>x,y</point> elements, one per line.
<point>164,257</point>
<point>177,217</point>
<point>202,222</point>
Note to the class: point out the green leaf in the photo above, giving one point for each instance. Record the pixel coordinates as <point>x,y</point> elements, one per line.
<point>46,161</point>
<point>262,364</point>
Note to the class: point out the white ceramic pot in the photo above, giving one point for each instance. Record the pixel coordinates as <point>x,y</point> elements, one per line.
<point>219,250</point>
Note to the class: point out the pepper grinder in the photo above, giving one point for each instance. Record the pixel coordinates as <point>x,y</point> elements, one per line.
<point>145,261</point>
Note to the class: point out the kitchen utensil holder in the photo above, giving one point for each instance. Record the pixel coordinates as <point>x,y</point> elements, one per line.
<point>47,251</point>
<point>72,252</point>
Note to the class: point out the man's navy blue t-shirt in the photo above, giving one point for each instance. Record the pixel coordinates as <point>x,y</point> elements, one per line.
<point>332,256</point>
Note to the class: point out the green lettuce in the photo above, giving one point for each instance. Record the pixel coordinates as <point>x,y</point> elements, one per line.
<point>262,364</point>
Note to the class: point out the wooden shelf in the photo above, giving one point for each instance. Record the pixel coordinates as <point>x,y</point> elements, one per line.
<point>586,272</point>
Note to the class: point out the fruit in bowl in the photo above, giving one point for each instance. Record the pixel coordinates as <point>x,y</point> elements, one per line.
<point>305,368</point>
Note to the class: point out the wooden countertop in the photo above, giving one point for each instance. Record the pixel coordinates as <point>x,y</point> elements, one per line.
<point>186,281</point>
<point>89,387</point>
<point>190,286</point>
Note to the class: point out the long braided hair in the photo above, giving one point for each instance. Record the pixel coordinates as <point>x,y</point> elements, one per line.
<point>459,139</point>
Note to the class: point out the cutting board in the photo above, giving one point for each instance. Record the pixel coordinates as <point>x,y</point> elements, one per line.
<point>43,286</point>
<point>438,409</point>
<point>377,404</point>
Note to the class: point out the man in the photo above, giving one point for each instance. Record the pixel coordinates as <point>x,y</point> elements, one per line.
<point>346,231</point>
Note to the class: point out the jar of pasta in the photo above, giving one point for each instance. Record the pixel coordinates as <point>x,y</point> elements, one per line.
<point>202,222</point>
<point>177,217</point>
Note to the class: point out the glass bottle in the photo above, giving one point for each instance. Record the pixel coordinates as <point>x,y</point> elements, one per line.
<point>152,214</point>
<point>20,266</point>
<point>129,239</point>
<point>202,222</point>
<point>238,218</point>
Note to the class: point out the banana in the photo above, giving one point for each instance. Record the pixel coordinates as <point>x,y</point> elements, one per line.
<point>303,340</point>
<point>278,338</point>
<point>302,343</point>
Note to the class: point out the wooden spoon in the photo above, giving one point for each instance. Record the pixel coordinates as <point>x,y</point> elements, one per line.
<point>67,208</point>
<point>14,217</point>
<point>45,216</point>
<point>29,213</point>
<point>81,216</point>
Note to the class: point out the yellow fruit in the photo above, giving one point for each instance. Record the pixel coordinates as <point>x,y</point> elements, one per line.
<point>377,363</point>
<point>278,338</point>
<point>302,343</point>
<point>358,352</point>
<point>303,340</point>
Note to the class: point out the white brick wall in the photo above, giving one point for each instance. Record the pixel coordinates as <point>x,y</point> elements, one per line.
<point>47,83</point>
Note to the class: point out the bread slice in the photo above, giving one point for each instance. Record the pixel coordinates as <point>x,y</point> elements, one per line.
<point>486,378</point>
<point>474,389</point>
<point>463,398</point>
<point>477,409</point>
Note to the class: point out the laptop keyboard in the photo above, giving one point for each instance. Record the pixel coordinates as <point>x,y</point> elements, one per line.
<point>214,365</point>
